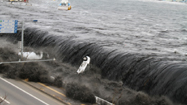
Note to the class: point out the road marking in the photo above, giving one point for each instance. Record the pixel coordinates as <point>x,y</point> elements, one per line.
<point>5,100</point>
<point>52,89</point>
<point>23,91</point>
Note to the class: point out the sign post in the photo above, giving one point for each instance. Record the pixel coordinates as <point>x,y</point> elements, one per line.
<point>22,39</point>
<point>11,26</point>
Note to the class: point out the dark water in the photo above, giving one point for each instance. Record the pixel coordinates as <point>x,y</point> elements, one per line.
<point>129,26</point>
<point>141,43</point>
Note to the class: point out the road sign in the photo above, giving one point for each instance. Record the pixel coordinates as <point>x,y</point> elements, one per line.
<point>8,26</point>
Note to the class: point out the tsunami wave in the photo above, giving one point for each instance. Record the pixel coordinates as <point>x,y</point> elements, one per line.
<point>150,74</point>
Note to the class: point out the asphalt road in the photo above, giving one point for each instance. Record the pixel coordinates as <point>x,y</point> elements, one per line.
<point>19,93</point>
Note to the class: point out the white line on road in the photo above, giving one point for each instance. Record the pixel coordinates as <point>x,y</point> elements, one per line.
<point>24,91</point>
<point>4,100</point>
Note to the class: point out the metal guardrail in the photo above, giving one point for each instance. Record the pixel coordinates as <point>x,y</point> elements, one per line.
<point>28,61</point>
<point>101,101</point>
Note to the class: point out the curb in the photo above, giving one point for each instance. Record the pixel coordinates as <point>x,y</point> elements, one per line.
<point>45,92</point>
<point>99,101</point>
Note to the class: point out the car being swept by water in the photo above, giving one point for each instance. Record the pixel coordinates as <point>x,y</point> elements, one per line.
<point>64,5</point>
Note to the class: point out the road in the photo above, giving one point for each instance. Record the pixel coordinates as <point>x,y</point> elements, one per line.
<point>19,93</point>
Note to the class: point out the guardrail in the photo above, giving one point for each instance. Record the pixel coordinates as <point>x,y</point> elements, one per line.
<point>101,101</point>
<point>28,61</point>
